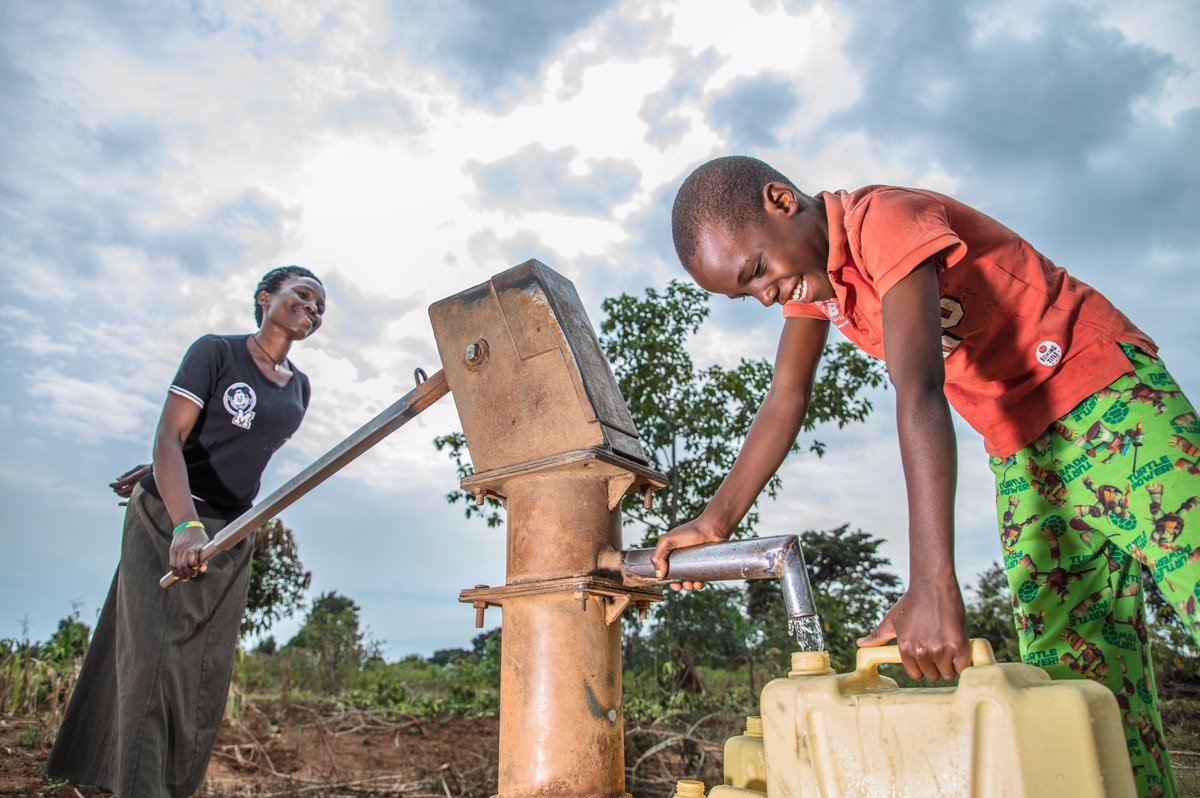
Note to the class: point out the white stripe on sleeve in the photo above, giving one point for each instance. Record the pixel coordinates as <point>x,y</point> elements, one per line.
<point>175,389</point>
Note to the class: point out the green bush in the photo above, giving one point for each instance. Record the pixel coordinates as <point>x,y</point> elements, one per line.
<point>36,679</point>
<point>466,684</point>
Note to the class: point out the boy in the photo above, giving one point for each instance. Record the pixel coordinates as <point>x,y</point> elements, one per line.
<point>1095,450</point>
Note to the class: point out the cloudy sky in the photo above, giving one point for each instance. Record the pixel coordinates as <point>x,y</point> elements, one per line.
<point>157,158</point>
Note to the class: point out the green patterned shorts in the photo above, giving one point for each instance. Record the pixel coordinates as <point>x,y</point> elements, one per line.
<point>1107,491</point>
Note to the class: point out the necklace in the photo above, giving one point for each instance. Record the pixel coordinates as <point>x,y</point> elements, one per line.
<point>274,365</point>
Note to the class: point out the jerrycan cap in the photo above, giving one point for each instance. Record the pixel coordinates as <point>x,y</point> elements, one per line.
<point>810,663</point>
<point>754,726</point>
<point>689,788</point>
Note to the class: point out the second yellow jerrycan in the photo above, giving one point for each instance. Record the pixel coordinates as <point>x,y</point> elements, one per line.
<point>1005,730</point>
<point>745,763</point>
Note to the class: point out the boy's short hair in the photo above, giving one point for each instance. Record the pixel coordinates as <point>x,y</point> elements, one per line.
<point>725,191</point>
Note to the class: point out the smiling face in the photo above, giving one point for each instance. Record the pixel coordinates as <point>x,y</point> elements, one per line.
<point>298,306</point>
<point>781,258</point>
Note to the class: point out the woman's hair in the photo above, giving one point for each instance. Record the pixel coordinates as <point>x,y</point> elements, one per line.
<point>275,278</point>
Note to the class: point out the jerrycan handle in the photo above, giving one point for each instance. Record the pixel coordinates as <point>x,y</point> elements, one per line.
<point>869,659</point>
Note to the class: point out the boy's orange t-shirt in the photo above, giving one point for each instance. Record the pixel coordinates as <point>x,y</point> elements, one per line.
<point>1023,341</point>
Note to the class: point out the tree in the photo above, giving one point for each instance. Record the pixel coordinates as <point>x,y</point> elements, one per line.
<point>852,588</point>
<point>277,578</point>
<point>692,420</point>
<point>448,656</point>
<point>70,639</point>
<point>486,648</point>
<point>1176,664</point>
<point>708,628</point>
<point>333,639</point>
<point>723,626</point>
<point>456,443</point>
<point>990,614</point>
<point>267,646</point>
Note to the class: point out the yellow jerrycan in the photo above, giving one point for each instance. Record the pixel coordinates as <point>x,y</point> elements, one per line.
<point>745,763</point>
<point>1005,730</point>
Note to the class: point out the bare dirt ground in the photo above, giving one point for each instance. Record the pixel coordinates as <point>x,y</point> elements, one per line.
<point>273,749</point>
<point>298,751</point>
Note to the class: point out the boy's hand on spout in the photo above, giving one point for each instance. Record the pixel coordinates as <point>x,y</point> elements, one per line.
<point>929,627</point>
<point>693,533</point>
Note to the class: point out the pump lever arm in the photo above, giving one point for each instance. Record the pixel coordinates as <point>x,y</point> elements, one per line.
<point>397,415</point>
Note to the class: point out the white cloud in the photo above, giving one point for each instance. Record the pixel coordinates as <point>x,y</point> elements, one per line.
<point>85,413</point>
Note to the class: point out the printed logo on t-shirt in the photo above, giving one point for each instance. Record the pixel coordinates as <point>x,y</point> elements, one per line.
<point>1049,353</point>
<point>952,315</point>
<point>830,306</point>
<point>240,401</point>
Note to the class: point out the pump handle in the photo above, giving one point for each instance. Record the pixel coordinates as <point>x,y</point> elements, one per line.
<point>391,419</point>
<point>869,659</point>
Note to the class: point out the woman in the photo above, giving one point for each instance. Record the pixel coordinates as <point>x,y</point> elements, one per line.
<point>150,697</point>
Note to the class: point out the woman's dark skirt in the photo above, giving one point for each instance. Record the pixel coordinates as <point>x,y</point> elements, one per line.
<point>151,695</point>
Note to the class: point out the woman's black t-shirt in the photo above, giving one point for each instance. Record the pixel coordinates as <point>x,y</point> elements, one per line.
<point>244,418</point>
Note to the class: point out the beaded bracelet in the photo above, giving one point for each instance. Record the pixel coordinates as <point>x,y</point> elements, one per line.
<point>185,525</point>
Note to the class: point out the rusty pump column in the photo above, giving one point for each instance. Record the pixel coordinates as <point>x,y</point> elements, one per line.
<point>550,435</point>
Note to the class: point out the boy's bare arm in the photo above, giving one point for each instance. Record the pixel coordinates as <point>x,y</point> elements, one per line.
<point>928,622</point>
<point>768,441</point>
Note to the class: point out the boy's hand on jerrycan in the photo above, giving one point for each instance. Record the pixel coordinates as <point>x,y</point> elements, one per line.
<point>929,626</point>
<point>693,533</point>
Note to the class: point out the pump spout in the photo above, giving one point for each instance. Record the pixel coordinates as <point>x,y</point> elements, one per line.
<point>779,557</point>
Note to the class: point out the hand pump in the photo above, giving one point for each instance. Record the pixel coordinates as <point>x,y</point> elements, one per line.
<point>551,437</point>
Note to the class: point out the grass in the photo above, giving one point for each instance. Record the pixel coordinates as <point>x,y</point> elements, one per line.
<point>1181,721</point>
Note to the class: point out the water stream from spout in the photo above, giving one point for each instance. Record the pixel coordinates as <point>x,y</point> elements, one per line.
<point>806,629</point>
